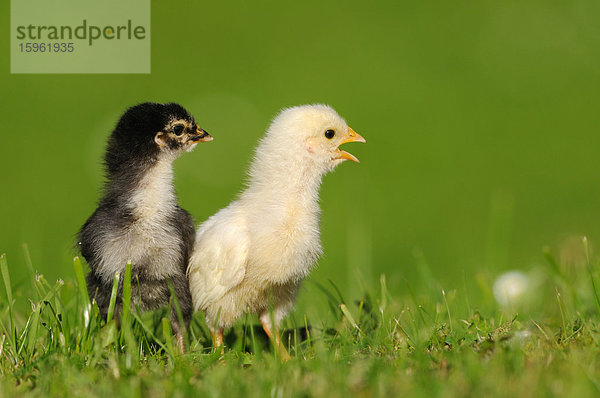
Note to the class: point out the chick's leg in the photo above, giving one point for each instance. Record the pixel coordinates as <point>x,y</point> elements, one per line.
<point>178,332</point>
<point>217,339</point>
<point>184,300</point>
<point>273,333</point>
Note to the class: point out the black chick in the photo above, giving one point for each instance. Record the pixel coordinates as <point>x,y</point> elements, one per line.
<point>138,218</point>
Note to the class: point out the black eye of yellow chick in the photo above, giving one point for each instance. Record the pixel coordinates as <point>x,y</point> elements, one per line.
<point>178,129</point>
<point>329,134</point>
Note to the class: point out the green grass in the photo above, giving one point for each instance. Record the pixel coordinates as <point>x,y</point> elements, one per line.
<point>481,123</point>
<point>423,343</point>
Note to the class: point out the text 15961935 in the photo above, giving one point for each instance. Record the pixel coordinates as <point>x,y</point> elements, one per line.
<point>33,47</point>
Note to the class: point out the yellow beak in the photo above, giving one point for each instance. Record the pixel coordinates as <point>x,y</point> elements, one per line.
<point>353,136</point>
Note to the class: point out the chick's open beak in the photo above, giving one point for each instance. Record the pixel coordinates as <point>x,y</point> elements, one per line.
<point>201,136</point>
<point>353,136</point>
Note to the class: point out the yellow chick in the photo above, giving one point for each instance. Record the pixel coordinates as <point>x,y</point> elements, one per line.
<point>255,252</point>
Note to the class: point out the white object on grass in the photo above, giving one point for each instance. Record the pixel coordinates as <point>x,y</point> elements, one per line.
<point>510,287</point>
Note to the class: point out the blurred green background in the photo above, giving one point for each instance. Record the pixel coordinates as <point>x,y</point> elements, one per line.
<point>481,120</point>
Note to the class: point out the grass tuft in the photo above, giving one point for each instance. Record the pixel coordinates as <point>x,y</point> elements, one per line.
<point>420,343</point>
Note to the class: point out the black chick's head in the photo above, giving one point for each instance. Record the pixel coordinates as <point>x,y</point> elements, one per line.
<point>150,130</point>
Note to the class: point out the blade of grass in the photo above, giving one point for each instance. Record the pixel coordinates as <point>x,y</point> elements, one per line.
<point>2,346</point>
<point>32,335</point>
<point>8,288</point>
<point>84,300</point>
<point>448,310</point>
<point>424,269</point>
<point>384,293</point>
<point>7,284</point>
<point>29,264</point>
<point>149,332</point>
<point>55,322</point>
<point>339,293</point>
<point>22,338</point>
<point>255,349</point>
<point>349,317</point>
<point>168,335</point>
<point>83,293</point>
<point>414,300</point>
<point>562,316</point>
<point>308,338</point>
<point>59,310</point>
<point>126,296</point>
<point>467,301</point>
<point>182,326</point>
<point>131,353</point>
<point>331,301</point>
<point>560,275</point>
<point>590,271</point>
<point>408,337</point>
<point>113,298</point>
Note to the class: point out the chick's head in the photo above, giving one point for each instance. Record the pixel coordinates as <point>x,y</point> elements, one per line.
<point>158,129</point>
<point>312,133</point>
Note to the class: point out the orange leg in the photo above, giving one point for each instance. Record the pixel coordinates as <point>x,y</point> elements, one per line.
<point>217,340</point>
<point>274,337</point>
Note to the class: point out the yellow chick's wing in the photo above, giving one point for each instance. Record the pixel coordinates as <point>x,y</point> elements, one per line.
<point>218,263</point>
